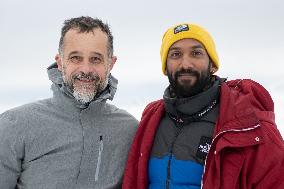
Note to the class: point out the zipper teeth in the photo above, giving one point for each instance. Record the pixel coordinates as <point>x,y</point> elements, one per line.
<point>179,127</point>
<point>101,147</point>
<point>82,152</point>
<point>230,130</point>
<point>237,130</point>
<point>169,171</point>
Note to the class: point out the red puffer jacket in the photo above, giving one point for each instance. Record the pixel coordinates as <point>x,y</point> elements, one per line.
<point>247,151</point>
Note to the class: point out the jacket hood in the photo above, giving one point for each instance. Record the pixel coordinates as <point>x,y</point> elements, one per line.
<point>251,103</point>
<point>58,86</point>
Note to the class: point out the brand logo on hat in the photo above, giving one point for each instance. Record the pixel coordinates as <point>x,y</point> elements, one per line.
<point>180,28</point>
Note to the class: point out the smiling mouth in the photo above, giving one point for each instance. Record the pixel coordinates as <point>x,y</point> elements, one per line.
<point>84,80</point>
<point>186,75</point>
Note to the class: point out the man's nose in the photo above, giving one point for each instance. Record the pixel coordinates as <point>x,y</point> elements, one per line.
<point>87,67</point>
<point>187,62</point>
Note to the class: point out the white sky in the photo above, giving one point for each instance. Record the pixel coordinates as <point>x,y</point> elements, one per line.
<point>248,34</point>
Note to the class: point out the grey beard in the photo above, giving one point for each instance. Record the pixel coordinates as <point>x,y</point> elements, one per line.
<point>84,96</point>
<point>81,93</point>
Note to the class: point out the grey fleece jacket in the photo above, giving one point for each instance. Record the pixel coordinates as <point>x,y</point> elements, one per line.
<point>60,143</point>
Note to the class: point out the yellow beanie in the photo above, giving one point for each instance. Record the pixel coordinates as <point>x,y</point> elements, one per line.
<point>183,31</point>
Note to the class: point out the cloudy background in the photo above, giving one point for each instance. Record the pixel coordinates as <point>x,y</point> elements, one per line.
<point>248,34</point>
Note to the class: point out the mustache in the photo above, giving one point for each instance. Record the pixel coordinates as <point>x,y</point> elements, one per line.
<point>186,71</point>
<point>89,76</point>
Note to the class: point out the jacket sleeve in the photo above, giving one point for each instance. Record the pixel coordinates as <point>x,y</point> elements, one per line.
<point>11,152</point>
<point>272,164</point>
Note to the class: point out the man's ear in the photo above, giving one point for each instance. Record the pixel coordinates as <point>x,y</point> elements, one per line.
<point>113,61</point>
<point>166,72</point>
<point>213,70</point>
<point>58,61</point>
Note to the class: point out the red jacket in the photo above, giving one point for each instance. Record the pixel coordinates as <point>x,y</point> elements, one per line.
<point>247,150</point>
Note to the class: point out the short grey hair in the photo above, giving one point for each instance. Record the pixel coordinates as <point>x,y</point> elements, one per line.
<point>86,24</point>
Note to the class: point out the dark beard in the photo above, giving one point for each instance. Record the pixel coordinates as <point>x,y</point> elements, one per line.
<point>188,89</point>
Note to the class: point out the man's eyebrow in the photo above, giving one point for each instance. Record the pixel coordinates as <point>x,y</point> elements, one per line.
<point>197,47</point>
<point>193,47</point>
<point>73,52</point>
<point>98,54</point>
<point>174,48</point>
<point>94,53</point>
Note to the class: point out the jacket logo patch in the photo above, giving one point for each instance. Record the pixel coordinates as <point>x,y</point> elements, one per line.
<point>180,28</point>
<point>203,147</point>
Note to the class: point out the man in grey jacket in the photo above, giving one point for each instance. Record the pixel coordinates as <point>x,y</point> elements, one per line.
<point>74,139</point>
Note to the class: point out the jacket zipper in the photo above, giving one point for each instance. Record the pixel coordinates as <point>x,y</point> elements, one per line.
<point>222,132</point>
<point>169,166</point>
<point>101,147</point>
<point>179,127</point>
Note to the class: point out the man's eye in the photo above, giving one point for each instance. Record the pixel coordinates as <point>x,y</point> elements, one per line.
<point>175,54</point>
<point>197,53</point>
<point>95,60</point>
<point>75,59</point>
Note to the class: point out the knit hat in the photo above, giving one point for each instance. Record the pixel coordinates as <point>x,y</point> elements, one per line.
<point>183,31</point>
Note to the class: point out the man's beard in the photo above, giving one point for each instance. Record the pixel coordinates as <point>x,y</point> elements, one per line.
<point>85,92</point>
<point>188,88</point>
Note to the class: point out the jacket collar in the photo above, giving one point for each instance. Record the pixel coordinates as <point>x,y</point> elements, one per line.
<point>191,105</point>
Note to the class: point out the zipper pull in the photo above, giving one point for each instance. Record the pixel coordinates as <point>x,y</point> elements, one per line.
<point>101,147</point>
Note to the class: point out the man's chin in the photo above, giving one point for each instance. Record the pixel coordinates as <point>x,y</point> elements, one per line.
<point>88,87</point>
<point>85,91</point>
<point>186,83</point>
<point>79,83</point>
<point>84,96</point>
<point>187,79</point>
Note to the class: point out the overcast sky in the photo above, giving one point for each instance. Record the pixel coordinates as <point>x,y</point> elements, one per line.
<point>248,35</point>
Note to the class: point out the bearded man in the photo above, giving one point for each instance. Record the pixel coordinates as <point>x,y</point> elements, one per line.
<point>74,139</point>
<point>206,132</point>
